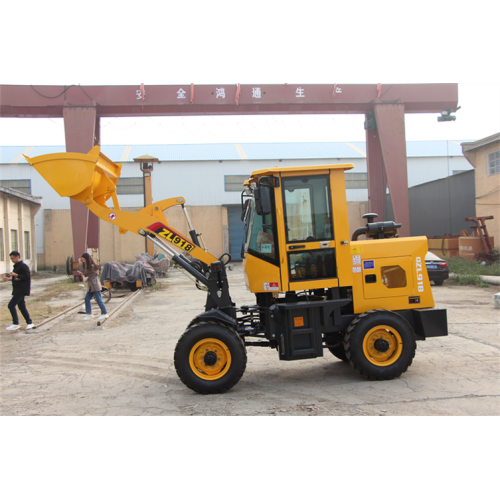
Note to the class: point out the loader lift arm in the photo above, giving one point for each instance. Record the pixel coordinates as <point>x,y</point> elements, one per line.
<point>91,179</point>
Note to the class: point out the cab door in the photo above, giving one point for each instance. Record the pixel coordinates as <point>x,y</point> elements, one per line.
<point>310,260</point>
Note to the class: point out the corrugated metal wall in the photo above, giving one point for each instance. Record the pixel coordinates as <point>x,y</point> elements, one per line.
<point>440,207</point>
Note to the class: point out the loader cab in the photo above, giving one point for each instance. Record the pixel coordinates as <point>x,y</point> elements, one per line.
<point>292,228</point>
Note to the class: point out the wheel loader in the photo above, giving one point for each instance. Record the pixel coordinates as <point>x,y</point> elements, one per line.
<point>367,301</point>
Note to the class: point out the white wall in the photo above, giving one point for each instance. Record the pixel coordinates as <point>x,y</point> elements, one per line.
<point>421,170</point>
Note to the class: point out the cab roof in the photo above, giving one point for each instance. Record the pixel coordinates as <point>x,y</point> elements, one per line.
<point>279,170</point>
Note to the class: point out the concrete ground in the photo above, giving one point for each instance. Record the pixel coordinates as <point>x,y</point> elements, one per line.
<point>126,366</point>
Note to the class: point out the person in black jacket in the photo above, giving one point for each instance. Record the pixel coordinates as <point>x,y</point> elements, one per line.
<point>21,286</point>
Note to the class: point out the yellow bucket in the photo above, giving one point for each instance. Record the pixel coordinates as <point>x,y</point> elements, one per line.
<point>82,177</point>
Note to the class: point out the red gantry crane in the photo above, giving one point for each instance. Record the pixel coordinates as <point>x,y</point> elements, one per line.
<point>384,106</point>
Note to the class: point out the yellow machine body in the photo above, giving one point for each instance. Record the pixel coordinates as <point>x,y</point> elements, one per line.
<point>384,273</point>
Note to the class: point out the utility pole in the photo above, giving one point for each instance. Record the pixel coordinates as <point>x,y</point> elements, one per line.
<point>146,165</point>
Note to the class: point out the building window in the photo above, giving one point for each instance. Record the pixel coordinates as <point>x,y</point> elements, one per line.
<point>27,246</point>
<point>2,255</point>
<point>130,185</point>
<point>234,182</point>
<point>494,163</point>
<point>356,180</point>
<point>24,186</point>
<point>13,240</point>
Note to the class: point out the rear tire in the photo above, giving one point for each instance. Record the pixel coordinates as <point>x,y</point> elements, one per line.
<point>380,345</point>
<point>210,358</point>
<point>438,282</point>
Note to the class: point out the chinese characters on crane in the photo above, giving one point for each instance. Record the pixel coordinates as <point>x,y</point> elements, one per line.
<point>220,93</point>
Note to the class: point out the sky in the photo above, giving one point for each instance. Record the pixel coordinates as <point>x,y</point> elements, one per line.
<point>271,42</point>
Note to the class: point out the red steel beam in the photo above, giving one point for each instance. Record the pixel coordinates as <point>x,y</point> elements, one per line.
<point>81,130</point>
<point>390,120</point>
<point>377,178</point>
<point>233,99</point>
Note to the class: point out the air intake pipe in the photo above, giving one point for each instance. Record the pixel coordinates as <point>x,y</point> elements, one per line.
<point>377,230</point>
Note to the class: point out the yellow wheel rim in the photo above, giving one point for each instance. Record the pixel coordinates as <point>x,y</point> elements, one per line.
<point>382,345</point>
<point>210,359</point>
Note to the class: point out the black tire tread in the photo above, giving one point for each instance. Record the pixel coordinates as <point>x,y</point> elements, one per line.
<point>205,390</point>
<point>352,362</point>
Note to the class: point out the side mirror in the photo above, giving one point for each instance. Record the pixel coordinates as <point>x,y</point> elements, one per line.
<point>262,200</point>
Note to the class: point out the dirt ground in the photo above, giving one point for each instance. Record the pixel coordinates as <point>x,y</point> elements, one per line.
<point>125,367</point>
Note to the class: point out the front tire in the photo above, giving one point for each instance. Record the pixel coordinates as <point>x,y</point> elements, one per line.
<point>380,345</point>
<point>210,358</point>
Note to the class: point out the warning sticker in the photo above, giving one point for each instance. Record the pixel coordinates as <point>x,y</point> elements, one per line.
<point>356,269</point>
<point>356,249</point>
<point>112,216</point>
<point>356,260</point>
<point>271,287</point>
<point>298,321</point>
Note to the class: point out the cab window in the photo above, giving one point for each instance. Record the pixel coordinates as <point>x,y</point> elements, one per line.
<point>308,215</point>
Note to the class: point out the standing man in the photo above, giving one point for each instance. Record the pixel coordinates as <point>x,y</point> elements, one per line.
<point>21,286</point>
